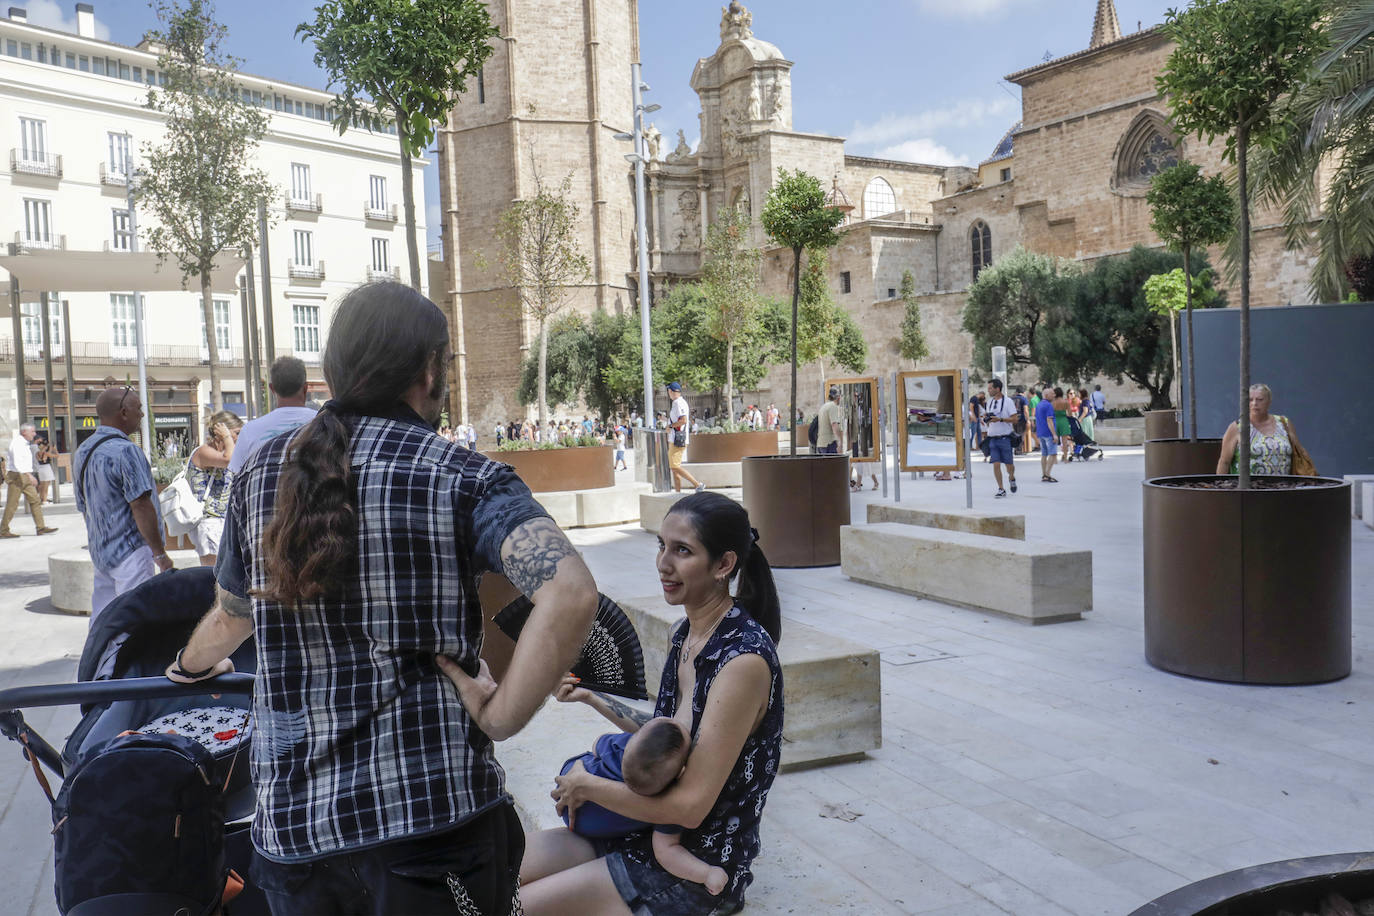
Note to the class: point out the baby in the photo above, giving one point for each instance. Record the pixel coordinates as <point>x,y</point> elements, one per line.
<point>647,761</point>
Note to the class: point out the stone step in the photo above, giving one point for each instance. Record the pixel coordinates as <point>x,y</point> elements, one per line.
<point>831,686</point>
<point>716,474</point>
<point>1119,435</point>
<point>592,508</point>
<point>1359,483</point>
<point>971,521</point>
<point>71,577</point>
<point>1027,580</point>
<point>653,506</point>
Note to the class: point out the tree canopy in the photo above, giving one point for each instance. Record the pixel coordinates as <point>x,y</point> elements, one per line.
<point>730,280</point>
<point>1008,303</point>
<point>913,344</point>
<point>400,61</point>
<point>200,183</point>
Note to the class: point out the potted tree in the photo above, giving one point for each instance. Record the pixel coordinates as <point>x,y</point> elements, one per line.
<point>792,531</point>
<point>1188,212</point>
<point>1245,580</point>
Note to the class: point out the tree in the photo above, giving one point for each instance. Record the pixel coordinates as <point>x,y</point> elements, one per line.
<point>1187,212</point>
<point>404,60</point>
<point>851,350</point>
<point>567,361</point>
<point>730,278</point>
<point>1332,116</point>
<point>1231,63</point>
<point>913,344</point>
<point>824,328</point>
<point>1169,294</point>
<point>795,215</point>
<point>1104,325</point>
<point>1007,304</point>
<point>542,260</point>
<point>199,183</point>
<point>581,351</point>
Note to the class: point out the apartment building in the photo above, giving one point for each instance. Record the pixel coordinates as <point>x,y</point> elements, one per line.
<point>73,115</point>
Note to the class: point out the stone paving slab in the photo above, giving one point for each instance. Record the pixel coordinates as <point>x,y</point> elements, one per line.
<point>1023,771</point>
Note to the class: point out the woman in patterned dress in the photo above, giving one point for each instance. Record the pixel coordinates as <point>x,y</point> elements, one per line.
<point>1272,439</point>
<point>209,476</point>
<point>723,682</point>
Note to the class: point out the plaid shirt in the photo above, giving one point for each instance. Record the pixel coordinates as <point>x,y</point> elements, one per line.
<point>359,739</point>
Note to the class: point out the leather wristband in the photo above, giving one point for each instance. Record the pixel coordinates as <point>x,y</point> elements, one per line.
<point>193,675</point>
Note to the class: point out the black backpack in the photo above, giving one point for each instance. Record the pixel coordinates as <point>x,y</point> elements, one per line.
<point>142,815</point>
<point>814,430</point>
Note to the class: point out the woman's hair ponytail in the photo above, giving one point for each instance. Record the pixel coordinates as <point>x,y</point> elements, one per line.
<point>722,525</point>
<point>383,338</point>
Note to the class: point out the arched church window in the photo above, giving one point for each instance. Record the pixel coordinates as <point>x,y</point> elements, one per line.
<point>980,238</point>
<point>879,198</point>
<point>1147,148</point>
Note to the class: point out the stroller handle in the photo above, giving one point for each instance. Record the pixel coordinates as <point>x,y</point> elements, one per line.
<point>134,688</point>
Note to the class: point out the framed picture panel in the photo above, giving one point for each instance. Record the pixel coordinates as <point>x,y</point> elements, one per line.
<point>859,402</point>
<point>930,420</point>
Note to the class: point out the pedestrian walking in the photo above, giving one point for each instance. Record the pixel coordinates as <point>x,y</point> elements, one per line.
<point>20,481</point>
<point>830,426</point>
<point>1000,415</point>
<point>43,454</point>
<point>678,423</point>
<point>1045,432</point>
<point>361,540</point>
<point>286,379</point>
<point>208,473</point>
<point>114,492</point>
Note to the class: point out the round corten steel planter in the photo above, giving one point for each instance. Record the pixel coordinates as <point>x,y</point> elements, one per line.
<point>798,504</point>
<point>1292,885</point>
<point>549,469</point>
<point>1162,424</point>
<point>1248,586</point>
<point>712,447</point>
<point>1177,457</point>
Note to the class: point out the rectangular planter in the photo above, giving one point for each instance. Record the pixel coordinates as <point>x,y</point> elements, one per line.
<point>547,470</point>
<point>707,448</point>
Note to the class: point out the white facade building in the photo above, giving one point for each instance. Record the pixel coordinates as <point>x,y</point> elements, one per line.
<point>70,107</point>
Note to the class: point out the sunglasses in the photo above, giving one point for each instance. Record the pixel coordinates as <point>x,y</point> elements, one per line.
<point>128,390</point>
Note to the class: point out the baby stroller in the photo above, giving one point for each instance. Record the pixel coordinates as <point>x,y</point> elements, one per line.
<point>1084,447</point>
<point>154,807</point>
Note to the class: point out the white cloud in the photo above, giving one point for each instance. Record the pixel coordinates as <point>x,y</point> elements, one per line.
<point>967,9</point>
<point>924,150</point>
<point>433,216</point>
<point>49,14</point>
<point>896,128</point>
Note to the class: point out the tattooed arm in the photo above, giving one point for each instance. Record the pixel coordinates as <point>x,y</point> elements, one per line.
<point>537,558</point>
<point>218,634</point>
<point>622,715</point>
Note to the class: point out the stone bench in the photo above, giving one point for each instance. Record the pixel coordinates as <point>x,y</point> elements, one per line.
<point>1037,582</point>
<point>592,508</point>
<point>716,474</point>
<point>1367,505</point>
<point>831,685</point>
<point>970,521</point>
<point>1359,484</point>
<point>71,576</point>
<point>654,506</point>
<point>1119,435</point>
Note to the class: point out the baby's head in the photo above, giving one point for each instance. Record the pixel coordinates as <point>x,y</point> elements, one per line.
<point>655,755</point>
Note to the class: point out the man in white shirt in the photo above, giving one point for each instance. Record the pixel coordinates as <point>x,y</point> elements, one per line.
<point>20,480</point>
<point>998,415</point>
<point>829,426</point>
<point>679,419</point>
<point>287,381</point>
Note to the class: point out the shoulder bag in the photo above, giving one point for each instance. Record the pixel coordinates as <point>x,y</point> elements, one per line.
<point>1303,465</point>
<point>181,510</point>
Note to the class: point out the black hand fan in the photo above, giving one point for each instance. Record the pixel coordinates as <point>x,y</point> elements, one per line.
<point>612,660</point>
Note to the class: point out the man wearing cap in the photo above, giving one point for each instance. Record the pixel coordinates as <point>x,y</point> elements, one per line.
<point>679,421</point>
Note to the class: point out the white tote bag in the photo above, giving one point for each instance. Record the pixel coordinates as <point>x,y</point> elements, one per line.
<point>181,510</point>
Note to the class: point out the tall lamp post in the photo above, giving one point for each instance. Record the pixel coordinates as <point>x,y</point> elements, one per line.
<point>139,345</point>
<point>639,157</point>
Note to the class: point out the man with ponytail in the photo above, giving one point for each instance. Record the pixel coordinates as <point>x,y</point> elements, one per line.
<point>351,551</point>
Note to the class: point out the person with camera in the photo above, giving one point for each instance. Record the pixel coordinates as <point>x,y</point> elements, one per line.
<point>999,414</point>
<point>679,422</point>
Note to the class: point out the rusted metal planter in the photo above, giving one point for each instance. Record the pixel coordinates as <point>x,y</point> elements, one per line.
<point>1248,586</point>
<point>1291,885</point>
<point>1162,424</point>
<point>798,504</point>
<point>714,447</point>
<point>546,470</point>
<point>1177,457</point>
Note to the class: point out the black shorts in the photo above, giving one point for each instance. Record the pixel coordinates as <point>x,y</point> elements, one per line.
<point>649,890</point>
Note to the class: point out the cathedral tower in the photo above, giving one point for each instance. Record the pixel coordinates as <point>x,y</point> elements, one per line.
<point>1106,27</point>
<point>545,107</point>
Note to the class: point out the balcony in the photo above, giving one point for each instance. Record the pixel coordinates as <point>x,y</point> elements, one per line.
<point>102,352</point>
<point>115,247</point>
<point>384,273</point>
<point>306,204</point>
<point>109,176</point>
<point>30,163</point>
<point>53,242</point>
<point>298,271</point>
<point>382,214</point>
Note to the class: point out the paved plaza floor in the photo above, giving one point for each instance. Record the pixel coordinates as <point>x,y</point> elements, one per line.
<point>1024,770</point>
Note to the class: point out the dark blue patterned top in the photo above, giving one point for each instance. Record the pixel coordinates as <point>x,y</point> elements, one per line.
<point>359,739</point>
<point>729,836</point>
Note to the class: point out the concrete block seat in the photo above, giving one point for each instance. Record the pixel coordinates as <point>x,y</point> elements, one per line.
<point>716,474</point>
<point>1359,485</point>
<point>71,577</point>
<point>1119,435</point>
<point>831,685</point>
<point>1037,582</point>
<point>654,506</point>
<point>993,524</point>
<point>591,508</point>
<point>1367,505</point>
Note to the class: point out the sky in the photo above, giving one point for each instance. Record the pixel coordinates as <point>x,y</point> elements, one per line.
<point>918,80</point>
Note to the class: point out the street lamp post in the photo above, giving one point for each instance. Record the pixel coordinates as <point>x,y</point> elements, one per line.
<point>139,346</point>
<point>639,157</point>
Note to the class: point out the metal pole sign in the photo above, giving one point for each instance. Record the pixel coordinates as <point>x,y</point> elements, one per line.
<point>642,239</point>
<point>140,344</point>
<point>968,452</point>
<point>897,423</point>
<point>882,433</point>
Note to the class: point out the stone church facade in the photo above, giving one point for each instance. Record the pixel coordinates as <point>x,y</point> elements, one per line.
<point>1069,180</point>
